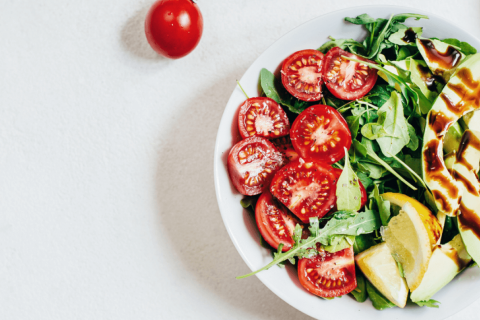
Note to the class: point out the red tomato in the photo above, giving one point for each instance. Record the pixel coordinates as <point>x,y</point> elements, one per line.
<point>320,133</point>
<point>262,117</point>
<point>275,223</point>
<point>328,274</point>
<point>284,145</point>
<point>252,163</point>
<point>302,75</point>
<point>364,198</point>
<point>306,188</point>
<point>346,79</point>
<point>174,27</point>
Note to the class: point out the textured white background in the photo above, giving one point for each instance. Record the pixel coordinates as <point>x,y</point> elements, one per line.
<point>107,204</point>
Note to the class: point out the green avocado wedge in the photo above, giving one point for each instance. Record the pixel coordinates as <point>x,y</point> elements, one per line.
<point>442,58</point>
<point>465,170</point>
<point>460,96</point>
<point>447,261</point>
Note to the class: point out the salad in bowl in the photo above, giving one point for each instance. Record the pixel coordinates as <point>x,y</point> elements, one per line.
<point>359,163</point>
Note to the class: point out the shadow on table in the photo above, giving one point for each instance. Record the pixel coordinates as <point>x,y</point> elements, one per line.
<point>189,213</point>
<point>134,39</point>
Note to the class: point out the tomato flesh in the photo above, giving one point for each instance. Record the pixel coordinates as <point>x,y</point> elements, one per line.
<point>320,133</point>
<point>262,117</point>
<point>174,27</point>
<point>252,163</point>
<point>275,223</point>
<point>302,75</point>
<point>328,274</point>
<point>306,188</point>
<point>346,79</point>
<point>284,145</point>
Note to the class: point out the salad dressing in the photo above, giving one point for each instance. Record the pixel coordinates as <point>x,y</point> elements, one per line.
<point>435,166</point>
<point>439,123</point>
<point>410,36</point>
<point>469,220</point>
<point>468,140</point>
<point>430,79</point>
<point>446,60</point>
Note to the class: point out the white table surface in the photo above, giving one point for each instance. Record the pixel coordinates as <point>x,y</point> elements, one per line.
<point>107,203</point>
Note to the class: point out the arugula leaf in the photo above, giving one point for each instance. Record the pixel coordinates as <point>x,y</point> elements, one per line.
<point>374,171</point>
<point>374,156</point>
<point>395,125</point>
<point>361,19</point>
<point>349,196</point>
<point>338,243</point>
<point>409,94</point>
<point>428,303</point>
<point>365,180</point>
<point>379,301</point>
<point>450,230</point>
<point>342,223</point>
<point>375,48</point>
<point>383,206</point>
<point>413,143</point>
<point>345,44</point>
<point>363,242</point>
<point>354,123</point>
<point>248,202</point>
<point>360,292</point>
<point>360,148</point>
<point>464,47</point>
<point>268,81</point>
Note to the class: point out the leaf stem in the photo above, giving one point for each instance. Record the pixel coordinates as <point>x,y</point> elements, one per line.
<point>390,169</point>
<point>367,104</point>
<point>242,89</point>
<point>409,169</point>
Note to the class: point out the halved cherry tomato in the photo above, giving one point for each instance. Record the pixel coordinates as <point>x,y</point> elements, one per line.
<point>306,188</point>
<point>328,274</point>
<point>252,163</point>
<point>262,117</point>
<point>320,133</point>
<point>364,198</point>
<point>346,79</point>
<point>275,223</point>
<point>302,75</point>
<point>284,145</point>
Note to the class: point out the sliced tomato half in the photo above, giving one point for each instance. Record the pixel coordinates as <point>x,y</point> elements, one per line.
<point>302,74</point>
<point>320,133</point>
<point>328,274</point>
<point>284,145</point>
<point>262,117</point>
<point>364,198</point>
<point>346,79</point>
<point>306,188</point>
<point>252,163</point>
<point>275,223</point>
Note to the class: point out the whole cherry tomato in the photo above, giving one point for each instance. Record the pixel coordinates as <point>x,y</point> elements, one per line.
<point>174,27</point>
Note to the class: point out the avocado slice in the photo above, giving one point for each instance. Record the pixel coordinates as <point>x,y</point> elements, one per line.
<point>452,138</point>
<point>442,58</point>
<point>465,171</point>
<point>471,120</point>
<point>447,261</point>
<point>460,96</point>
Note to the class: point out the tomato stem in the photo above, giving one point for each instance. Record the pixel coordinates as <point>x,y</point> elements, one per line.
<point>242,90</point>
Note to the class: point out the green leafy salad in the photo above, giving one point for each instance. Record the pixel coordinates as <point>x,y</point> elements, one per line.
<point>360,162</point>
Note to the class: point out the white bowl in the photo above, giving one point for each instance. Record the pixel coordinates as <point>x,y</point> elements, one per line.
<point>462,291</point>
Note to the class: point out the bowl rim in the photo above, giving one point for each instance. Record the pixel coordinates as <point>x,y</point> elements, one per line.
<point>218,153</point>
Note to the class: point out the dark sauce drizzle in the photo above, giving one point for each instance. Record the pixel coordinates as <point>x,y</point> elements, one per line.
<point>410,36</point>
<point>430,79</point>
<point>447,60</point>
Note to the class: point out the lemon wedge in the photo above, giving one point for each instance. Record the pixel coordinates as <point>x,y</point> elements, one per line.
<point>408,240</point>
<point>431,223</point>
<point>378,265</point>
